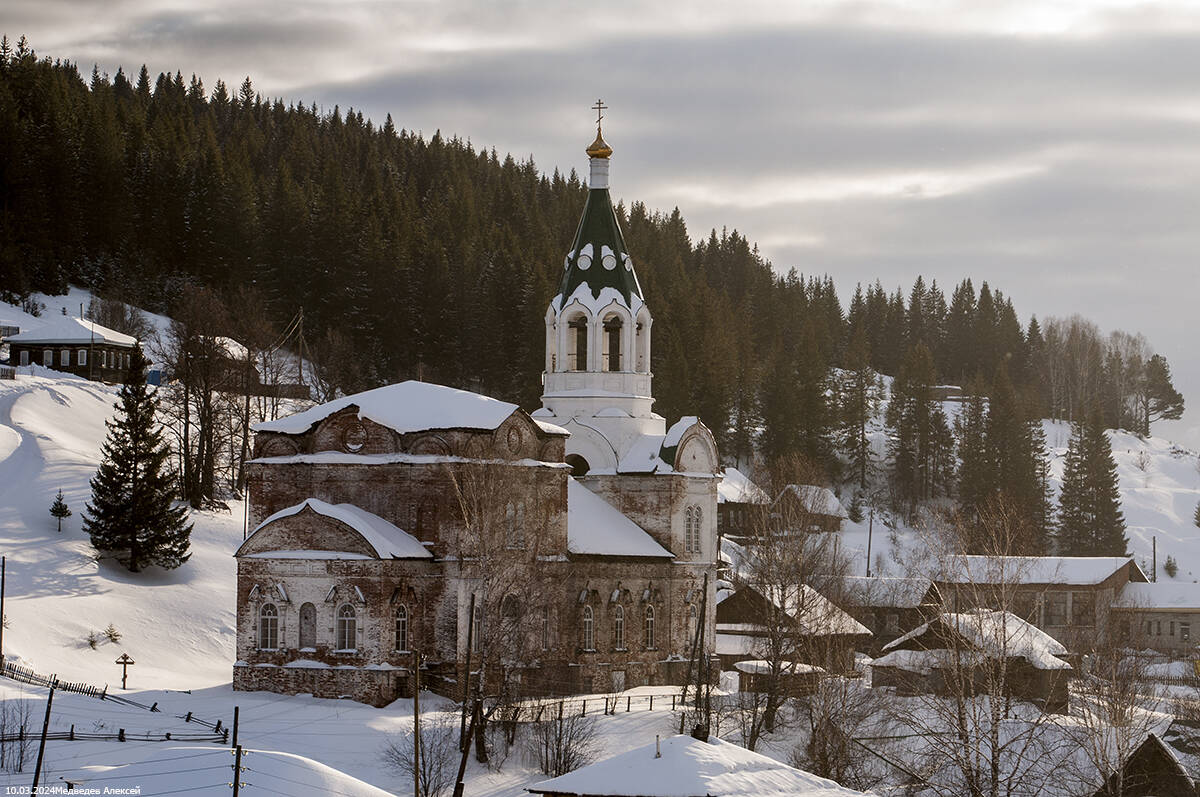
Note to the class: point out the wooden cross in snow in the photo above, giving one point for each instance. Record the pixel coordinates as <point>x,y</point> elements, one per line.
<point>124,661</point>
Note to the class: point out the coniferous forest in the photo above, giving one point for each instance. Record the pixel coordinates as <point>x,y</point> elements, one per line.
<point>430,258</point>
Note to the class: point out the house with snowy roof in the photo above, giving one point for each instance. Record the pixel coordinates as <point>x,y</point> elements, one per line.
<point>1163,615</point>
<point>1166,766</point>
<point>1068,597</point>
<point>966,652</point>
<point>819,507</point>
<point>889,606</point>
<point>75,346</point>
<point>682,766</point>
<point>554,552</point>
<point>739,502</point>
<point>797,621</point>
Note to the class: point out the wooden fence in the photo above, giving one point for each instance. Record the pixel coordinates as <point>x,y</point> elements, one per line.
<point>28,676</point>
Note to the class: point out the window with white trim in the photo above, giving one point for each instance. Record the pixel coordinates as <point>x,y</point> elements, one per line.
<point>401,627</point>
<point>347,628</point>
<point>589,629</point>
<point>648,628</point>
<point>619,628</point>
<point>268,627</point>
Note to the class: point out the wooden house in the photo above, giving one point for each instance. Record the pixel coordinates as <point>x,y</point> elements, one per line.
<point>963,653</point>
<point>816,507</point>
<point>1154,769</point>
<point>75,346</point>
<point>1068,597</point>
<point>890,607</point>
<point>740,502</point>
<point>804,625</point>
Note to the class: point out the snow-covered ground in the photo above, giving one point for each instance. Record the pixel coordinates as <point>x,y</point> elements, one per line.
<point>179,626</point>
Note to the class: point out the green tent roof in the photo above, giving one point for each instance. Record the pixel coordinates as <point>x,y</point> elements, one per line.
<point>598,257</point>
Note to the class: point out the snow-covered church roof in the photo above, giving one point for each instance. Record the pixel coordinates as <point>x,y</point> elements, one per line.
<point>410,407</point>
<point>387,540</point>
<point>596,528</point>
<point>73,331</point>
<point>681,766</point>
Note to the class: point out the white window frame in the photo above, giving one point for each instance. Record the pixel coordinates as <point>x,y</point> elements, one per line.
<point>24,356</point>
<point>346,629</point>
<point>648,629</point>
<point>619,628</point>
<point>589,629</point>
<point>402,628</point>
<point>268,627</point>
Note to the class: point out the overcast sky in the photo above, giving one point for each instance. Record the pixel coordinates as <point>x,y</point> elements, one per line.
<point>1052,148</point>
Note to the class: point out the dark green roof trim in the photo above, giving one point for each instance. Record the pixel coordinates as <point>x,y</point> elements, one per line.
<point>598,226</point>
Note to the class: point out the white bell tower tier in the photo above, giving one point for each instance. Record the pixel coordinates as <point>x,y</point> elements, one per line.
<point>597,378</point>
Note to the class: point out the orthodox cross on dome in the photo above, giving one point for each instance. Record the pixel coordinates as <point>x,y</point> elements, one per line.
<point>599,108</point>
<point>599,149</point>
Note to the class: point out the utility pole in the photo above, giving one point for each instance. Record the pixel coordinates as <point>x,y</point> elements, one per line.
<point>463,738</point>
<point>462,764</point>
<point>870,534</point>
<point>416,723</point>
<point>3,563</point>
<point>237,769</point>
<point>1154,559</point>
<point>91,344</point>
<point>300,347</point>
<point>37,770</point>
<point>235,726</point>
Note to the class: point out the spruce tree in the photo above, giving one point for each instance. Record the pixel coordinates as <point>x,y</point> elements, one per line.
<point>1090,519</point>
<point>131,514</point>
<point>59,509</point>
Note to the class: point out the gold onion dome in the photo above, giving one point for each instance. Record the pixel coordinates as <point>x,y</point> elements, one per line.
<point>599,149</point>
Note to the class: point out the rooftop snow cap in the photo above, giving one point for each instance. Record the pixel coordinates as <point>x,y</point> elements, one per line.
<point>598,257</point>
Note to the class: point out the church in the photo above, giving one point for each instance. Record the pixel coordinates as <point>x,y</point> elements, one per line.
<point>561,551</point>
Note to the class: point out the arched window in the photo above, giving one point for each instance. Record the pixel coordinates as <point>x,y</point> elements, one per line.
<point>347,628</point>
<point>308,626</point>
<point>577,344</point>
<point>545,628</point>
<point>401,627</point>
<point>64,358</point>
<point>81,357</point>
<point>697,524</point>
<point>510,619</point>
<point>268,627</point>
<point>510,526</point>
<point>477,629</point>
<point>47,357</point>
<point>648,629</point>
<point>589,629</point>
<point>612,343</point>
<point>687,530</point>
<point>619,628</point>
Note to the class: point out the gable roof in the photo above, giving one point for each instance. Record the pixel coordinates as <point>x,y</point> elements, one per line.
<point>596,528</point>
<point>895,593</point>
<point>817,500</point>
<point>994,633</point>
<point>388,541</point>
<point>1069,570</point>
<point>813,613</point>
<point>409,407</point>
<point>735,487</point>
<point>72,330</point>
<point>690,767</point>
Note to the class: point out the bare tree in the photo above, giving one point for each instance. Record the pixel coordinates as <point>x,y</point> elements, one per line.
<point>978,735</point>
<point>783,559</point>
<point>437,763</point>
<point>1116,705</point>
<point>840,711</point>
<point>117,315</point>
<point>197,359</point>
<point>499,561</point>
<point>558,742</point>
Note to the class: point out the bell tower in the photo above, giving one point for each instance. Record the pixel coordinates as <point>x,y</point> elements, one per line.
<point>597,372</point>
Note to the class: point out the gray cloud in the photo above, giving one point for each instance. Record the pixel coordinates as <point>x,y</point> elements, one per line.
<point>864,140</point>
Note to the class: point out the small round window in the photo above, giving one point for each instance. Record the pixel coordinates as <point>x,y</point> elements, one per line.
<point>355,437</point>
